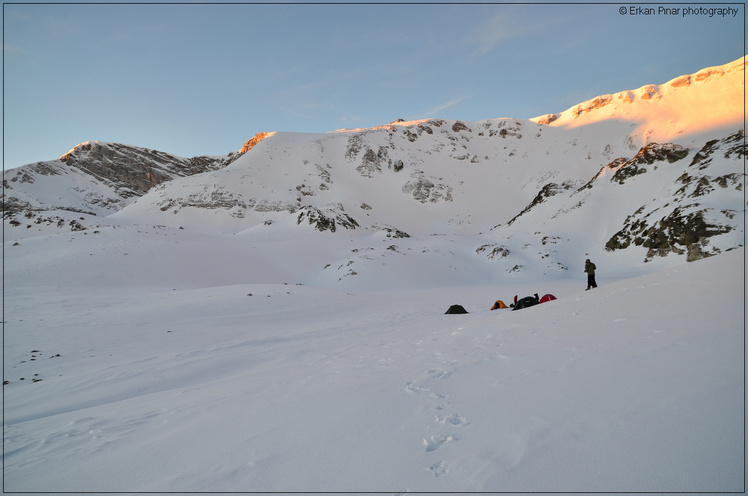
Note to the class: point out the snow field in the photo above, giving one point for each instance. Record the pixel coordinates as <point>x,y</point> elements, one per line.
<point>172,378</point>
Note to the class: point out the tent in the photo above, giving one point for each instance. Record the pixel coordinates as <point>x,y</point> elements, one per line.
<point>456,309</point>
<point>499,304</point>
<point>547,297</point>
<point>525,302</point>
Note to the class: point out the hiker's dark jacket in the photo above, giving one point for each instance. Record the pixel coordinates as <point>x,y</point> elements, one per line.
<point>589,267</point>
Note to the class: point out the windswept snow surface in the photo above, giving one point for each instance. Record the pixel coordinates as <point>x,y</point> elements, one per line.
<point>157,371</point>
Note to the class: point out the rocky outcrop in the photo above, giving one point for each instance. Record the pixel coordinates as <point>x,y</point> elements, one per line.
<point>648,155</point>
<point>138,169</point>
<point>249,144</point>
<point>733,147</point>
<point>650,92</point>
<point>547,191</point>
<point>215,197</point>
<point>493,251</point>
<point>327,218</point>
<point>372,162</point>
<point>460,126</point>
<point>681,81</point>
<point>390,232</point>
<point>424,190</point>
<point>679,231</point>
<point>589,106</point>
<point>546,119</point>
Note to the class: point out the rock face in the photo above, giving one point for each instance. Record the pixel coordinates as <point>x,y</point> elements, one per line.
<point>138,169</point>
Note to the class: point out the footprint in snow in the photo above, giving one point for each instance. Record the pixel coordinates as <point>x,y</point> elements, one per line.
<point>442,406</point>
<point>453,419</point>
<point>412,388</point>
<point>438,373</point>
<point>437,442</point>
<point>438,469</point>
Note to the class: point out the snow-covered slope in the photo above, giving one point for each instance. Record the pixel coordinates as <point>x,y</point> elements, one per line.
<point>97,178</point>
<point>157,359</point>
<point>621,176</point>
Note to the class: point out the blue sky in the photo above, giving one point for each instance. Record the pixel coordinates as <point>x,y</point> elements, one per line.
<point>201,79</point>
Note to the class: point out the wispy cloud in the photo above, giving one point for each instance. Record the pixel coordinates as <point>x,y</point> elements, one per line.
<point>511,23</point>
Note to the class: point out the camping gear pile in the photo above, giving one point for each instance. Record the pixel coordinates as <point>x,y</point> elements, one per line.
<point>525,302</point>
<point>529,301</point>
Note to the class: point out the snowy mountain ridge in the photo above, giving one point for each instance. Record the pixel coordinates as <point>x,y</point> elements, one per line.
<point>630,177</point>
<point>681,100</point>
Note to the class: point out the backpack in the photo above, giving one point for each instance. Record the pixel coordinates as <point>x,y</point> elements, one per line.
<point>525,302</point>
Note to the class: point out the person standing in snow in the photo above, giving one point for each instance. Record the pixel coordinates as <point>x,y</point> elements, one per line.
<point>589,268</point>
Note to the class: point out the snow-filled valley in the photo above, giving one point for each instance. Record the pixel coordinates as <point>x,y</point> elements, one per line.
<point>273,320</point>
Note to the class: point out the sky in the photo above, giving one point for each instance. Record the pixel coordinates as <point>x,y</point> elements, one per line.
<point>201,79</point>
